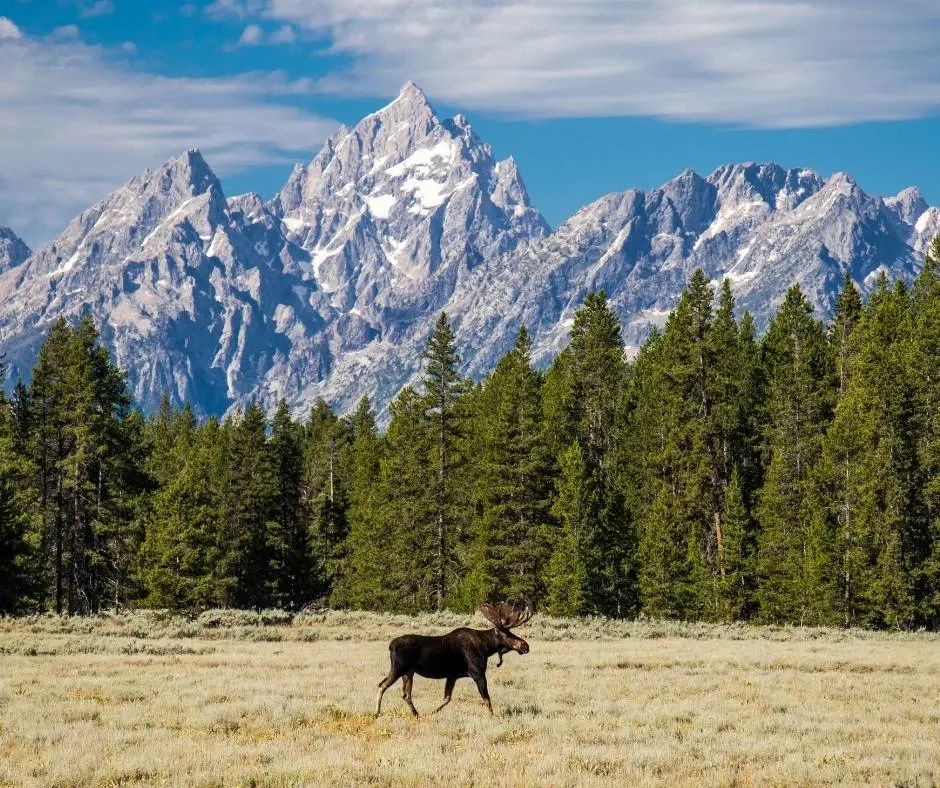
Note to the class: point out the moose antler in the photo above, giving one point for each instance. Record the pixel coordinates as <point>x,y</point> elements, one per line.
<point>502,615</point>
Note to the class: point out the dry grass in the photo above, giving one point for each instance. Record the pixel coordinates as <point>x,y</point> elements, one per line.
<point>150,699</point>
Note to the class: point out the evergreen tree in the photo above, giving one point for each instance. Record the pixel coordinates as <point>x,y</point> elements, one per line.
<point>293,567</point>
<point>325,494</point>
<point>510,550</point>
<point>690,436</point>
<point>181,560</point>
<point>14,549</point>
<point>82,442</point>
<point>584,403</point>
<point>162,432</point>
<point>360,584</point>
<point>443,388</point>
<point>848,312</point>
<point>568,579</point>
<point>251,482</point>
<point>406,512</point>
<point>14,577</point>
<point>647,481</point>
<point>122,521</point>
<point>727,359</point>
<point>674,524</point>
<point>868,476</point>
<point>736,584</point>
<point>800,393</point>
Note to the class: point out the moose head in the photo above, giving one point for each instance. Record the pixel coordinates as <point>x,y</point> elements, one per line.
<point>503,617</point>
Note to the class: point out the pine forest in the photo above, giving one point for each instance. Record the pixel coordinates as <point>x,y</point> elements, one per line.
<point>791,477</point>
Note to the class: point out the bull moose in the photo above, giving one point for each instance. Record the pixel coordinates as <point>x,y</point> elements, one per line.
<point>462,652</point>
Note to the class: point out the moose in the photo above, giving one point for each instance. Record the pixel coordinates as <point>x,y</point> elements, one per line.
<point>462,652</point>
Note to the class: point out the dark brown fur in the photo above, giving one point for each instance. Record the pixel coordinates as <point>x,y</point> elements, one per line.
<point>458,654</point>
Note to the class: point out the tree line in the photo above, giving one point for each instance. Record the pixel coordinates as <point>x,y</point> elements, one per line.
<point>720,476</point>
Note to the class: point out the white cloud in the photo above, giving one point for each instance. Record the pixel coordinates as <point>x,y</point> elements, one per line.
<point>129,46</point>
<point>770,63</point>
<point>254,35</point>
<point>65,31</point>
<point>8,30</point>
<point>98,8</point>
<point>284,35</point>
<point>251,35</point>
<point>76,123</point>
<point>237,9</point>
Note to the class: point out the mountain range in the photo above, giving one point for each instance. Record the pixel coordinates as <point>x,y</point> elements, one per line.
<point>330,289</point>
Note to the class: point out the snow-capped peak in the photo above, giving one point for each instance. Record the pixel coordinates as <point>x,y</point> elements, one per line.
<point>433,188</point>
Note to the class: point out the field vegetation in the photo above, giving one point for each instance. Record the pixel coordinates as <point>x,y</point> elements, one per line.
<point>240,698</point>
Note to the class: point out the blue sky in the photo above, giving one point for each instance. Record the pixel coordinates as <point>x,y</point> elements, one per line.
<point>589,97</point>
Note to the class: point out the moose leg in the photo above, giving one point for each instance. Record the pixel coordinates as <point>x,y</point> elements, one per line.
<point>481,685</point>
<point>406,682</point>
<point>384,684</point>
<point>448,690</point>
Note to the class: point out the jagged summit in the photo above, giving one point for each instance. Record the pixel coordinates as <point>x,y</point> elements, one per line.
<point>189,169</point>
<point>909,204</point>
<point>393,210</point>
<point>410,95</point>
<point>359,157</point>
<point>411,106</point>
<point>124,221</point>
<point>13,250</point>
<point>176,278</point>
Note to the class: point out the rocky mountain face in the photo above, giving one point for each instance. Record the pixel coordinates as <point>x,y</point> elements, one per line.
<point>397,215</point>
<point>219,301</point>
<point>761,226</point>
<point>13,250</point>
<point>182,283</point>
<point>331,288</point>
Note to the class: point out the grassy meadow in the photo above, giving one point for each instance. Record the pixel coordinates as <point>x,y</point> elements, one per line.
<point>235,698</point>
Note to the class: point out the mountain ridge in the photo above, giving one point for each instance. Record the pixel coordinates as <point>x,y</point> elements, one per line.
<point>330,288</point>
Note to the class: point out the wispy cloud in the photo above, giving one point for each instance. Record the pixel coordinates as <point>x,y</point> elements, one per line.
<point>236,9</point>
<point>96,8</point>
<point>251,35</point>
<point>766,63</point>
<point>77,122</point>
<point>254,35</point>
<point>283,35</point>
<point>65,31</point>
